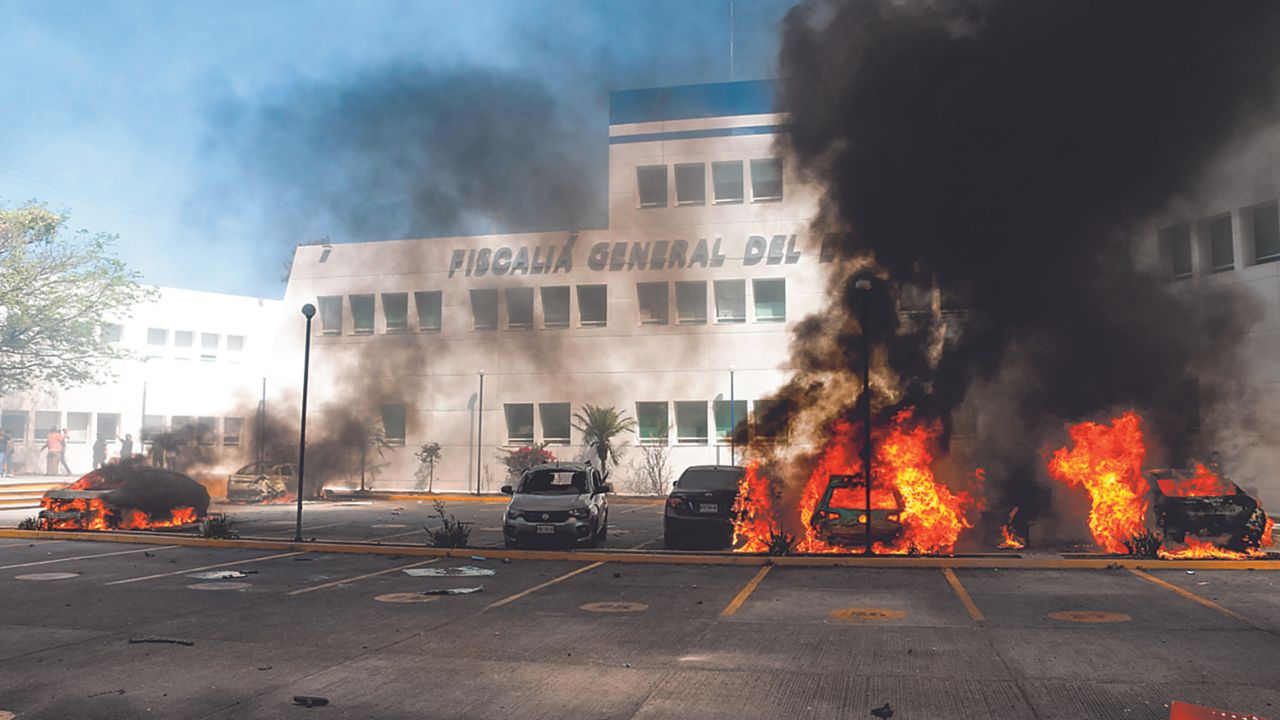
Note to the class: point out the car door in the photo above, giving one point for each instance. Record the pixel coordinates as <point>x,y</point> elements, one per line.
<point>601,499</point>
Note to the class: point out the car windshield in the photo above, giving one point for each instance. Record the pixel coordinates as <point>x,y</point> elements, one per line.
<point>250,469</point>
<point>854,497</point>
<point>726,479</point>
<point>554,482</point>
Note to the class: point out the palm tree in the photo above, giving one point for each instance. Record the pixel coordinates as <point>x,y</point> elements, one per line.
<point>599,426</point>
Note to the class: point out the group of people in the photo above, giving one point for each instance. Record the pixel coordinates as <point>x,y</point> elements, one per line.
<point>55,447</point>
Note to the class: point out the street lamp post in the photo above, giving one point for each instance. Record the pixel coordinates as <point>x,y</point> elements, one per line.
<point>309,311</point>
<point>864,287</point>
<point>733,421</point>
<point>479,429</point>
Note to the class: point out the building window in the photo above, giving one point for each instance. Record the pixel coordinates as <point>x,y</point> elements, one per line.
<point>653,423</point>
<point>652,183</point>
<point>555,423</point>
<point>209,346</point>
<point>1176,244</point>
<point>691,184</point>
<point>108,426</point>
<point>484,309</point>
<point>652,300</point>
<point>691,423</point>
<point>183,338</point>
<point>771,419</point>
<point>231,428</point>
<point>362,314</point>
<point>77,427</point>
<point>555,306</point>
<point>394,427</point>
<point>727,179</point>
<point>111,333</point>
<point>235,343</point>
<point>157,336</point>
<point>1222,256</point>
<point>15,423</point>
<point>691,302</point>
<point>731,301</point>
<point>207,431</point>
<point>1266,234</point>
<point>728,417</point>
<point>330,315</point>
<point>395,310</point>
<point>429,315</point>
<point>766,179</point>
<point>183,428</point>
<point>593,304</point>
<point>519,308</point>
<point>152,425</point>
<point>771,299</point>
<point>519,423</point>
<point>46,422</point>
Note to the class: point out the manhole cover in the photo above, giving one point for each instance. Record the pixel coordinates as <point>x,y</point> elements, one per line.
<point>614,607</point>
<point>406,597</point>
<point>48,576</point>
<point>1089,616</point>
<point>867,614</point>
<point>220,586</point>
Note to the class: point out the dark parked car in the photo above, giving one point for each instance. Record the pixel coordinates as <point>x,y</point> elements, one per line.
<point>561,503</point>
<point>1186,502</point>
<point>840,517</point>
<point>700,507</point>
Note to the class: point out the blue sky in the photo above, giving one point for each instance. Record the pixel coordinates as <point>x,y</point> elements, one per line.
<point>117,112</point>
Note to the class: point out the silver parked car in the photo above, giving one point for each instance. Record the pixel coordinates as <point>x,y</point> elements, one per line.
<point>560,503</point>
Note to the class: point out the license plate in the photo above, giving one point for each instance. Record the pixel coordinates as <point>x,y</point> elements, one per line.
<point>708,508</point>
<point>546,529</point>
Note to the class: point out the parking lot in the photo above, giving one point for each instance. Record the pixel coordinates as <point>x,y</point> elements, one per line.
<point>570,638</point>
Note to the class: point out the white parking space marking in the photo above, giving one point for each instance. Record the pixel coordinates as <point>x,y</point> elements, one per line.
<point>638,509</point>
<point>335,583</point>
<point>206,567</point>
<point>41,543</point>
<point>86,557</point>
<point>308,528</point>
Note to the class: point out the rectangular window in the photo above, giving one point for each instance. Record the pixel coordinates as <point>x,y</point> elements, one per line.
<point>555,422</point>
<point>395,310</point>
<point>1222,256</point>
<point>691,302</point>
<point>362,314</point>
<point>691,184</point>
<point>108,426</point>
<point>691,423</point>
<point>519,423</point>
<point>731,301</point>
<point>330,315</point>
<point>429,311</point>
<point>484,309</point>
<point>207,431</point>
<point>593,304</point>
<point>727,179</point>
<point>1266,234</point>
<point>46,422</point>
<point>157,336</point>
<point>183,338</point>
<point>771,299</point>
<point>555,306</point>
<point>152,425</point>
<point>184,427</point>
<point>728,417</point>
<point>766,179</point>
<point>15,422</point>
<point>209,342</point>
<point>231,428</point>
<point>771,417</point>
<point>1176,243</point>
<point>235,343</point>
<point>652,183</point>
<point>111,332</point>
<point>651,298</point>
<point>394,427</point>
<point>519,308</point>
<point>653,423</point>
<point>77,427</point>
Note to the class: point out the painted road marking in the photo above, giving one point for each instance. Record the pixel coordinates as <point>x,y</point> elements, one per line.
<point>406,597</point>
<point>644,544</point>
<point>205,567</point>
<point>745,592</point>
<point>220,586</point>
<point>535,588</point>
<point>400,534</point>
<point>636,509</point>
<point>969,604</point>
<point>87,557</point>
<point>859,615</point>
<point>1089,616</point>
<point>1196,598</point>
<point>46,576</point>
<point>335,583</point>
<point>306,528</point>
<point>614,607</point>
<point>41,543</point>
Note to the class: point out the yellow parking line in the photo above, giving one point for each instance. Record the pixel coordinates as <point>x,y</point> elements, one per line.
<point>535,588</point>
<point>205,567</point>
<point>745,592</point>
<point>86,557</point>
<point>1195,598</point>
<point>969,605</point>
<point>361,577</point>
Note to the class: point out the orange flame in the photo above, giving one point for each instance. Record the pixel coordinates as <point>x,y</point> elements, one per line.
<point>1206,483</point>
<point>94,514</point>
<point>1107,461</point>
<point>1196,548</point>
<point>1010,540</point>
<point>753,512</point>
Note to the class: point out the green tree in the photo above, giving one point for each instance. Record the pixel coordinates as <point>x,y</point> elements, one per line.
<point>600,426</point>
<point>58,289</point>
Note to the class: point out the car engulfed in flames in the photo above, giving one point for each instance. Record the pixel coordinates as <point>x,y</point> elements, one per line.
<point>127,496</point>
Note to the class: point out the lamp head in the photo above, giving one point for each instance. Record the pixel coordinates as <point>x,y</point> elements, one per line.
<point>309,310</point>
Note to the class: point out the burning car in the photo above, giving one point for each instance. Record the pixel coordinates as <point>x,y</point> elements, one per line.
<point>125,496</point>
<point>261,482</point>
<point>1204,505</point>
<point>841,516</point>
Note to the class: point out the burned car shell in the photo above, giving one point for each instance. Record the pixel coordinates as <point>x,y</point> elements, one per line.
<point>847,526</point>
<point>260,482</point>
<point>1238,518</point>
<point>576,515</point>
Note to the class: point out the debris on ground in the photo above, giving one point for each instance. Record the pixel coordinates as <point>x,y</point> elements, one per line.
<point>884,711</point>
<point>222,574</point>
<point>453,591</point>
<point>463,571</point>
<point>264,667</point>
<point>480,558</point>
<point>310,701</point>
<point>506,561</point>
<point>1189,572</point>
<point>148,554</point>
<point>165,640</point>
<point>119,691</point>
<point>618,575</point>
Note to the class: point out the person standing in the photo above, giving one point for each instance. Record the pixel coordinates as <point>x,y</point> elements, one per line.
<point>6,448</point>
<point>99,452</point>
<point>126,448</point>
<point>62,457</point>
<point>54,445</point>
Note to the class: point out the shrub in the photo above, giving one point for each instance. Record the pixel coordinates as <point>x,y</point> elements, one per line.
<point>781,542</point>
<point>30,523</point>
<point>218,526</point>
<point>452,533</point>
<point>523,458</point>
<point>1145,544</point>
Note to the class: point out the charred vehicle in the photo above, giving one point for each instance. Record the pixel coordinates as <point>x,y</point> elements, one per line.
<point>841,517</point>
<point>699,510</point>
<point>557,503</point>
<point>125,496</point>
<point>261,482</point>
<point>1205,506</point>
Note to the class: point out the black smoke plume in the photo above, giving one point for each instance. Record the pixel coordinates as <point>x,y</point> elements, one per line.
<point>1007,154</point>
